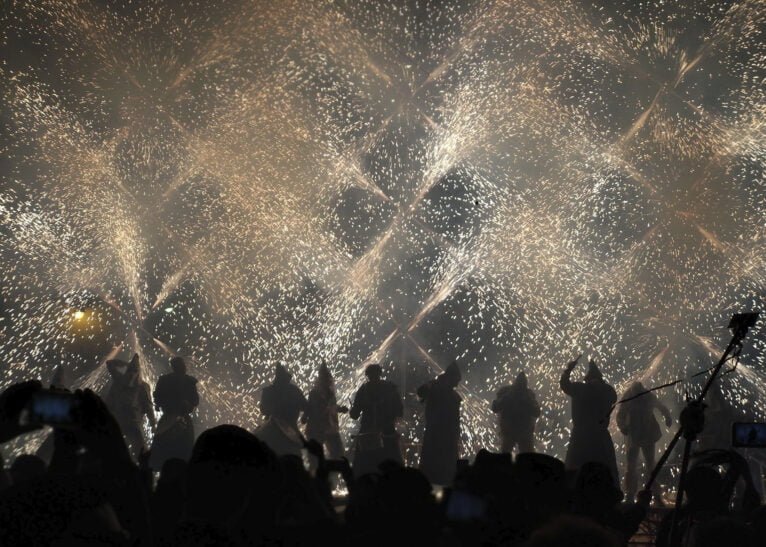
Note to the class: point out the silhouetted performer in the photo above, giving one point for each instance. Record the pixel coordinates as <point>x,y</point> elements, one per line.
<point>321,417</point>
<point>592,401</point>
<point>441,441</point>
<point>129,400</point>
<point>282,403</point>
<point>379,405</point>
<point>176,396</point>
<point>636,420</point>
<point>517,410</point>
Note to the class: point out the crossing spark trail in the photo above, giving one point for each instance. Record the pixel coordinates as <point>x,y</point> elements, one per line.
<point>507,184</point>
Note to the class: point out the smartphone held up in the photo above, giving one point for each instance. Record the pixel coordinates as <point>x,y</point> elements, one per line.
<point>52,408</point>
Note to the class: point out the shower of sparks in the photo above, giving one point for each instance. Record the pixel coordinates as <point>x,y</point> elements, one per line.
<point>505,184</point>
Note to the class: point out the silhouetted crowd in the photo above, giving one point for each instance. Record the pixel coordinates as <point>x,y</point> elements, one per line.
<point>96,481</point>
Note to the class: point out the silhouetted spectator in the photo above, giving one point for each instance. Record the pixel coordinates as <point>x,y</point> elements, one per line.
<point>176,396</point>
<point>517,410</point>
<point>282,403</point>
<point>541,483</point>
<point>704,500</point>
<point>129,400</point>
<point>224,464</point>
<point>569,531</point>
<point>168,499</point>
<point>724,531</point>
<point>441,441</point>
<point>597,496</point>
<point>592,401</point>
<point>635,419</point>
<point>379,406</point>
<point>73,510</point>
<point>27,468</point>
<point>321,417</point>
<point>396,507</point>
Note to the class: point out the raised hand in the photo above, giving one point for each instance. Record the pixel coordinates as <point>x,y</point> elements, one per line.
<point>12,401</point>
<point>572,364</point>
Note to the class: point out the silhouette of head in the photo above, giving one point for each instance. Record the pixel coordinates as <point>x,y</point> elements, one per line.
<point>521,381</point>
<point>178,364</point>
<point>281,375</point>
<point>704,486</point>
<point>593,373</point>
<point>222,471</point>
<point>325,377</point>
<point>452,374</point>
<point>373,372</point>
<point>596,485</point>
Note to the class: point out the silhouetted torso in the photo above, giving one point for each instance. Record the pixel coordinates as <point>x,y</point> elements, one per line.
<point>441,441</point>
<point>176,395</point>
<point>590,440</point>
<point>128,401</point>
<point>517,410</point>
<point>322,414</point>
<point>284,401</point>
<point>379,405</point>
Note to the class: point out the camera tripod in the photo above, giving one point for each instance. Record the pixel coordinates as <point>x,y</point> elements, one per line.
<point>693,416</point>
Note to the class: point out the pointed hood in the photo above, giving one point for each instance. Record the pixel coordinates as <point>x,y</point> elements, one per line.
<point>593,372</point>
<point>281,374</point>
<point>452,374</point>
<point>324,378</point>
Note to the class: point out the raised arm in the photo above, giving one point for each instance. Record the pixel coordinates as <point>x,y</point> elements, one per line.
<point>567,386</point>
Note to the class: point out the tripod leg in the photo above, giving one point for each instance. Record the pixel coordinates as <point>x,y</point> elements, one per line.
<point>675,533</point>
<point>662,461</point>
